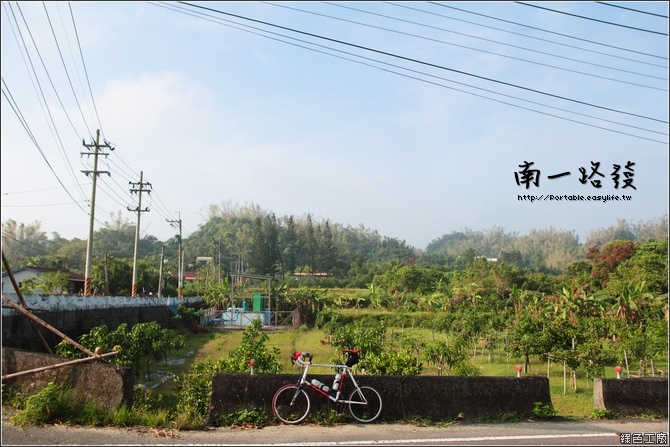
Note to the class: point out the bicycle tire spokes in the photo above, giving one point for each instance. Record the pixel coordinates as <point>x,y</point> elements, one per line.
<point>365,404</point>
<point>291,404</point>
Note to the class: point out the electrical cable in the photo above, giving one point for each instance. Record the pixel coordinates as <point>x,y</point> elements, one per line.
<point>509,84</point>
<point>550,32</point>
<point>17,112</point>
<point>591,18</point>
<point>484,51</point>
<point>634,10</point>
<point>430,82</point>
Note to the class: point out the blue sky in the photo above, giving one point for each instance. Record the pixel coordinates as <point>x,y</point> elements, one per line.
<point>412,124</point>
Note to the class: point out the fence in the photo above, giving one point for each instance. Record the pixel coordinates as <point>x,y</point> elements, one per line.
<point>236,317</point>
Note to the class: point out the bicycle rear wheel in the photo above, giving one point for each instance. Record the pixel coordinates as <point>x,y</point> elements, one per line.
<point>366,405</point>
<point>291,404</point>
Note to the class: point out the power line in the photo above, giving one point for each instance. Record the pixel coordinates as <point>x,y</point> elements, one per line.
<point>550,32</point>
<point>483,51</point>
<point>595,20</point>
<point>17,112</point>
<point>527,36</point>
<point>83,62</point>
<point>633,10</point>
<point>48,115</point>
<point>185,11</point>
<point>427,64</point>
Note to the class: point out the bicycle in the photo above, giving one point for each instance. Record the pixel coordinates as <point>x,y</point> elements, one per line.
<point>291,403</point>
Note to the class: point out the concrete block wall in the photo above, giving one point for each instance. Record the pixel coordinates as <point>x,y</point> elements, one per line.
<point>403,397</point>
<point>629,397</point>
<point>77,315</point>
<point>17,333</point>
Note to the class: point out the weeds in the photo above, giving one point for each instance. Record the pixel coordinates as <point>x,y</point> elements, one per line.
<point>328,416</point>
<point>600,413</point>
<point>542,411</point>
<point>51,404</point>
<point>511,417</point>
<point>254,418</point>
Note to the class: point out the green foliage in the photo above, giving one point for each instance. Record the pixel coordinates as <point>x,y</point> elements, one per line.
<point>145,344</point>
<point>146,400</point>
<point>54,283</point>
<point>511,417</point>
<point>327,416</point>
<point>542,411</point>
<point>252,346</point>
<point>392,363</point>
<point>217,293</point>
<point>601,413</point>
<point>188,316</point>
<point>194,390</point>
<point>366,334</point>
<point>329,319</point>
<point>253,418</point>
<point>649,265</point>
<point>194,387</point>
<point>50,404</point>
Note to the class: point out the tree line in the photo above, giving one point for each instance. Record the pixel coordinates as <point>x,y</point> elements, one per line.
<point>247,239</point>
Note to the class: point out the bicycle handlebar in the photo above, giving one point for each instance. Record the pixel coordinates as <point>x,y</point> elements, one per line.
<point>302,358</point>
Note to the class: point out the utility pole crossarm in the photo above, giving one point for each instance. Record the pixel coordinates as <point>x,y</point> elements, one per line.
<point>96,146</point>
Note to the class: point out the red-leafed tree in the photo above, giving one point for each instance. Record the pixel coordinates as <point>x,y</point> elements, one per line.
<point>605,261</point>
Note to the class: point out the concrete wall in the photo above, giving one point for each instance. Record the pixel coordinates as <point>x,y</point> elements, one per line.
<point>75,316</point>
<point>54,303</point>
<point>98,381</point>
<point>429,397</point>
<point>628,397</point>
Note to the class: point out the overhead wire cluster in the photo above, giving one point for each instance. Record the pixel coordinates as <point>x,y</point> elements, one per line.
<point>44,71</point>
<point>510,93</point>
<point>622,66</point>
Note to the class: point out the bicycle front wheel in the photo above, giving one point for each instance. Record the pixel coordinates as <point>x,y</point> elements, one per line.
<point>366,405</point>
<point>291,404</point>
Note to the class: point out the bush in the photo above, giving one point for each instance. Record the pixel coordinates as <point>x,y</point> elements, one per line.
<point>542,411</point>
<point>50,404</point>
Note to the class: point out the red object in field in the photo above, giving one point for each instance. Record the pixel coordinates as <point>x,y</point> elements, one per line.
<point>518,370</point>
<point>618,371</point>
<point>252,362</point>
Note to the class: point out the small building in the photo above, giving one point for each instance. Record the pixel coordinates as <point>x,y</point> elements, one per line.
<point>75,282</point>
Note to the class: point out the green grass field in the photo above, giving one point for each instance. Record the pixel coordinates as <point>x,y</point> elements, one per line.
<point>215,345</point>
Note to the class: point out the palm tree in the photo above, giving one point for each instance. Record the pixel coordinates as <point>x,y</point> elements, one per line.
<point>626,304</point>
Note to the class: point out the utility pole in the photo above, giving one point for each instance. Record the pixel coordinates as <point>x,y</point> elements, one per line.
<point>180,289</point>
<point>219,260</point>
<point>106,277</point>
<point>160,274</point>
<point>94,175</point>
<point>139,189</point>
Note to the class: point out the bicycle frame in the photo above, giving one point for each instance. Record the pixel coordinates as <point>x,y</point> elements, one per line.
<point>344,370</point>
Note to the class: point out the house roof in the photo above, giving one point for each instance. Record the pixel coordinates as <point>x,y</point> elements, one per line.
<point>42,270</point>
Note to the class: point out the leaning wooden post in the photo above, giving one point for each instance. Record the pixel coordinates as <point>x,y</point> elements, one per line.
<point>23,302</point>
<point>58,365</point>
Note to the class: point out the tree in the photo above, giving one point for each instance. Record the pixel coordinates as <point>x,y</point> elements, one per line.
<point>54,283</point>
<point>526,338</point>
<point>648,264</point>
<point>605,261</point>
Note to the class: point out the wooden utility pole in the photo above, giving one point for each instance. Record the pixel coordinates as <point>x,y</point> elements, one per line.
<point>160,273</point>
<point>94,175</point>
<point>139,189</point>
<point>180,289</point>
